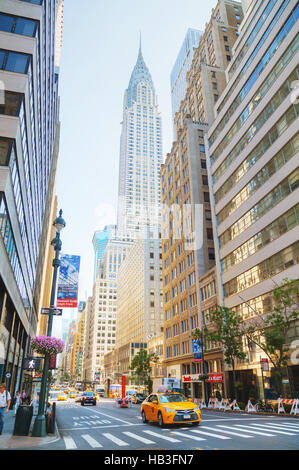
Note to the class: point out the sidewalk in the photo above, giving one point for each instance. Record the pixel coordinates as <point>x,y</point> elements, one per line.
<point>8,441</point>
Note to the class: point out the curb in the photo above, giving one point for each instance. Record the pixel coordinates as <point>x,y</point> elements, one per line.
<point>259,413</point>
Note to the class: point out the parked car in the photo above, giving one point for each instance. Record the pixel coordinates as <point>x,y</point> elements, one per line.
<point>88,398</point>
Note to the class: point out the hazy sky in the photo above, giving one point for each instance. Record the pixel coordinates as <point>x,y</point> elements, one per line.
<point>100,48</point>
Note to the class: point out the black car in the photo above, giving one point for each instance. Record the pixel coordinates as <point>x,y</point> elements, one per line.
<point>140,398</point>
<point>88,398</point>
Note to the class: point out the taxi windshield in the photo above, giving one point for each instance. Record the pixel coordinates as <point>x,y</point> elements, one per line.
<point>172,397</point>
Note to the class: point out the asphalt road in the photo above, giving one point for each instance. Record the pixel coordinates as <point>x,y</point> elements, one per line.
<point>106,427</point>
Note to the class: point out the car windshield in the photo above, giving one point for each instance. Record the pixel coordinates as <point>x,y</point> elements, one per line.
<point>88,394</point>
<point>172,398</point>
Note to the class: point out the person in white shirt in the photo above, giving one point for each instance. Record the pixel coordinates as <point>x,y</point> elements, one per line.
<point>4,404</point>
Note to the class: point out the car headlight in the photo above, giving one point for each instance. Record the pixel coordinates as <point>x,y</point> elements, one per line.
<point>169,410</point>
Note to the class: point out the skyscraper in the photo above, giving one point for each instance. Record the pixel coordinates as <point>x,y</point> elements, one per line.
<point>99,241</point>
<point>30,41</point>
<point>178,79</point>
<point>252,150</point>
<point>140,154</point>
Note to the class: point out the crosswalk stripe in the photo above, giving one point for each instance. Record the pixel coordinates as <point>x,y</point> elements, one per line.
<point>188,436</point>
<point>91,441</point>
<point>210,434</point>
<point>295,425</point>
<point>282,426</point>
<point>228,432</point>
<point>69,443</point>
<point>114,439</point>
<point>138,438</point>
<point>170,439</point>
<point>247,430</point>
<point>277,430</point>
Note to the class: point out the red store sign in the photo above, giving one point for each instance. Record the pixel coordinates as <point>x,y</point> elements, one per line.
<point>215,378</point>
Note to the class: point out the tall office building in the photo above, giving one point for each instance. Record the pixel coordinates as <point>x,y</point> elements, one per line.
<point>99,241</point>
<point>140,155</point>
<point>187,235</point>
<point>139,300</point>
<point>102,322</point>
<point>253,152</point>
<point>178,77</point>
<point>30,41</point>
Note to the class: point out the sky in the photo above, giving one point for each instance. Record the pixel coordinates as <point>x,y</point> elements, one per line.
<point>100,48</point>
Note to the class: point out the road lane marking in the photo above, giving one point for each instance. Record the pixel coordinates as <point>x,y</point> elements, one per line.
<point>289,424</point>
<point>91,441</point>
<point>170,439</point>
<point>69,443</point>
<point>227,432</point>
<point>138,438</point>
<point>189,436</point>
<point>264,427</point>
<point>99,427</point>
<point>112,417</point>
<point>247,430</point>
<point>114,439</point>
<point>210,434</point>
<point>284,426</point>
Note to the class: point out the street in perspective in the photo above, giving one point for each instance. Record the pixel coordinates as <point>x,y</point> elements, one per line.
<point>149,228</point>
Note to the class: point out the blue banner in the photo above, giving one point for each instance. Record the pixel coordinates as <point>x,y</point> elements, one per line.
<point>197,350</point>
<point>68,283</point>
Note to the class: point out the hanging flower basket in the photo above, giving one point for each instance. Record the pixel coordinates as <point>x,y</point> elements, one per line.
<point>47,345</point>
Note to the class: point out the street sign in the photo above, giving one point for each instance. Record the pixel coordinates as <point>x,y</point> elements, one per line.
<point>51,311</point>
<point>265,364</point>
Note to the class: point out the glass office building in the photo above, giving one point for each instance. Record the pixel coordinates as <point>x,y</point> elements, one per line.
<point>178,79</point>
<point>254,177</point>
<point>30,38</point>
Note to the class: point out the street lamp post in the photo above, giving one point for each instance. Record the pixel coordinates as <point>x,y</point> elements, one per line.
<point>39,428</point>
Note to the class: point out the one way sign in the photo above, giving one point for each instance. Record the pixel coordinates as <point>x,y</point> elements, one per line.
<point>51,311</point>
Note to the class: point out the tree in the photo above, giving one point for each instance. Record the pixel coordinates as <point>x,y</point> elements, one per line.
<point>270,332</point>
<point>141,364</point>
<point>227,329</point>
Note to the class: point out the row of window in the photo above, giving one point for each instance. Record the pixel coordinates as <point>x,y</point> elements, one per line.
<point>286,28</point>
<point>272,77</point>
<point>9,243</point>
<point>280,192</point>
<point>265,270</point>
<point>18,25</point>
<point>14,61</point>
<point>262,17</point>
<point>264,116</point>
<point>260,178</point>
<point>208,291</point>
<point>278,98</point>
<point>283,224</point>
<point>259,45</point>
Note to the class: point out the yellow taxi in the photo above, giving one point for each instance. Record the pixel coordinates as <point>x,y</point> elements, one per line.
<point>61,397</point>
<point>170,408</point>
<point>73,394</point>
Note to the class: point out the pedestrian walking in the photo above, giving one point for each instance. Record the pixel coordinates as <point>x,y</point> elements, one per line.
<point>4,404</point>
<point>17,400</point>
<point>23,396</point>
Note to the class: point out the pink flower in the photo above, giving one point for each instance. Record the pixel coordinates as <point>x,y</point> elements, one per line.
<point>47,345</point>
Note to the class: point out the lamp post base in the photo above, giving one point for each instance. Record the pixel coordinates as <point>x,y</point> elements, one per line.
<point>39,427</point>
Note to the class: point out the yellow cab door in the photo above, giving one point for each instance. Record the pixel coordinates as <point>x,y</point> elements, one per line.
<point>152,413</point>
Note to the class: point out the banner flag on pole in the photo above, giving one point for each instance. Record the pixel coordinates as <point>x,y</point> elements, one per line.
<point>68,282</point>
<point>197,350</point>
